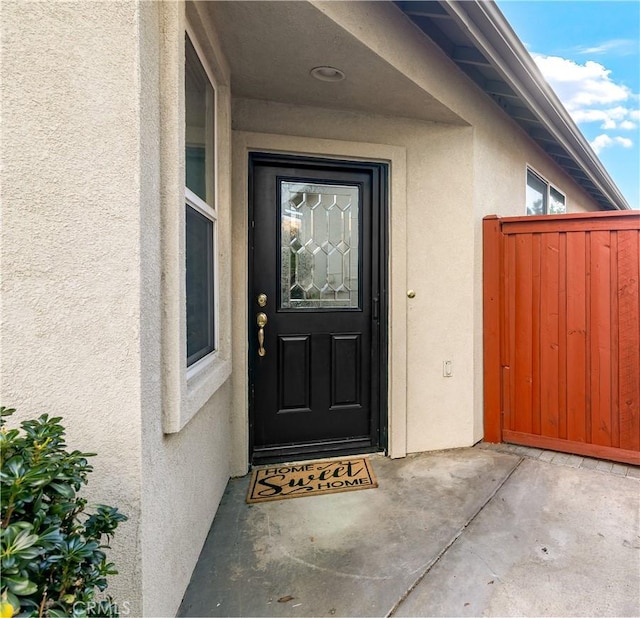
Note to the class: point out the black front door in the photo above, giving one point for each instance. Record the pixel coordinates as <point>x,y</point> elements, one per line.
<point>317,306</point>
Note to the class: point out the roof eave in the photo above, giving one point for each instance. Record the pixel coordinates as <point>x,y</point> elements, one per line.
<point>495,38</point>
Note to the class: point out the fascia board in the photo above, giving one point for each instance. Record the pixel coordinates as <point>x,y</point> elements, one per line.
<point>492,34</point>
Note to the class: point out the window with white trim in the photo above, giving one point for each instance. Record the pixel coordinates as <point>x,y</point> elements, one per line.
<point>200,202</point>
<point>542,197</point>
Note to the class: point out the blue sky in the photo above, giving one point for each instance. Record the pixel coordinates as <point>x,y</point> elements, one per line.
<point>589,52</point>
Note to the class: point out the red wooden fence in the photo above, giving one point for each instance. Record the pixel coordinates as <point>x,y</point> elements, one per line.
<point>562,333</point>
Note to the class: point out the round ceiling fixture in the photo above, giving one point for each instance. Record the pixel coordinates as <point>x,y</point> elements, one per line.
<point>327,74</point>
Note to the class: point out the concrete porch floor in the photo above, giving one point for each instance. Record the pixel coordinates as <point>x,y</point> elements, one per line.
<point>466,532</point>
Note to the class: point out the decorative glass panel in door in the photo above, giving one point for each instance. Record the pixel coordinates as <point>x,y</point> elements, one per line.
<point>319,249</point>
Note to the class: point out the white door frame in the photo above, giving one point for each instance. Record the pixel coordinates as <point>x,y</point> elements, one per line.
<point>242,144</point>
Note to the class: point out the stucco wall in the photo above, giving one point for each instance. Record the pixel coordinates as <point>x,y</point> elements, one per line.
<point>71,244</point>
<point>87,149</point>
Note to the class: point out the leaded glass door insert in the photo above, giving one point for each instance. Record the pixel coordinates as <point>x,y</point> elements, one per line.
<point>320,257</point>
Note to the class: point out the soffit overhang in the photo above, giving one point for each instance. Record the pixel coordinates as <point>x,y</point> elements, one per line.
<point>271,47</point>
<point>478,39</point>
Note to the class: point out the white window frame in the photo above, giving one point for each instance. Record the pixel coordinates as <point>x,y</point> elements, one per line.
<point>207,210</point>
<point>549,186</point>
<point>188,390</point>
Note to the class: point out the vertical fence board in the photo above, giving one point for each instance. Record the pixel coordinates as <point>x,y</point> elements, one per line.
<point>615,348</point>
<point>536,383</point>
<point>492,316</point>
<point>549,377</point>
<point>523,357</point>
<point>587,394</point>
<point>562,338</point>
<point>600,338</point>
<point>629,344</point>
<point>576,337</point>
<point>510,331</point>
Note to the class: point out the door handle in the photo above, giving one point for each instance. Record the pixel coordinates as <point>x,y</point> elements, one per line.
<point>262,322</point>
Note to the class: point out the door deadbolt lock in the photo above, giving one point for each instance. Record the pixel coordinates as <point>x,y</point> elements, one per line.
<point>262,300</point>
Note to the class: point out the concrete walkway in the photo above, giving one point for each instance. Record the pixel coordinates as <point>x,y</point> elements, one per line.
<point>467,532</point>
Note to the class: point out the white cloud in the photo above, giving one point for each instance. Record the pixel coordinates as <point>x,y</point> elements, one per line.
<point>619,47</point>
<point>592,96</point>
<point>581,85</point>
<point>627,125</point>
<point>605,141</point>
<point>609,117</point>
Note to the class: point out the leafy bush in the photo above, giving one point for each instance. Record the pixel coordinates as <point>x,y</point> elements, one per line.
<point>52,559</point>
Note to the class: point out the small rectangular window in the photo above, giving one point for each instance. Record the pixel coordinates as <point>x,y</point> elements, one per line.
<point>542,198</point>
<point>200,216</point>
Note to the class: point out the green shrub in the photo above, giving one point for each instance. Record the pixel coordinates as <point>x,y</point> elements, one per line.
<point>52,559</point>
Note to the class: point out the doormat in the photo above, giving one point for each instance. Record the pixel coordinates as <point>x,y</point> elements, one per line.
<point>280,481</point>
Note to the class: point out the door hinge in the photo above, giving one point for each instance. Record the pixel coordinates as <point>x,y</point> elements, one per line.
<point>376,308</point>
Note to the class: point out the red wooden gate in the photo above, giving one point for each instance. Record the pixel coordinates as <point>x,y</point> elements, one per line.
<point>562,333</point>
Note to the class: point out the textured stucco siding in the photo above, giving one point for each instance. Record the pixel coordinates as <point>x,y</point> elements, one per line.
<point>83,255</point>
<point>71,246</point>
